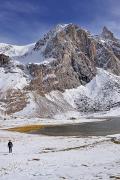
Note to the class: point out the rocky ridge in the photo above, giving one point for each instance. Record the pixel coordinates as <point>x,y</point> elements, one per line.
<point>65,58</point>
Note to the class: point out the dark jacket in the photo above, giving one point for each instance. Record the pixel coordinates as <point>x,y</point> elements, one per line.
<point>10,144</point>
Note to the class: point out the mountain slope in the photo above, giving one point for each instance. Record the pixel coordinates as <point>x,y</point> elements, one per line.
<point>102,93</point>
<point>60,73</point>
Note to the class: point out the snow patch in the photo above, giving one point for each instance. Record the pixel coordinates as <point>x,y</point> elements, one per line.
<point>49,76</point>
<point>30,109</point>
<point>15,79</point>
<point>14,50</point>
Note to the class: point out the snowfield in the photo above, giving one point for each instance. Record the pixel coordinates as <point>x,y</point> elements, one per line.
<point>14,79</point>
<point>42,157</point>
<point>37,157</point>
<point>14,50</point>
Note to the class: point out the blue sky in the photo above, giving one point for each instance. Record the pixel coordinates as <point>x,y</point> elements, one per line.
<point>25,21</point>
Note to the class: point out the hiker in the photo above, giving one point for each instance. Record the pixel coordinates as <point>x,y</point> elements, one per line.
<point>10,145</point>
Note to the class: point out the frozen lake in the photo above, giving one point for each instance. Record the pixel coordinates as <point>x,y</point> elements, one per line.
<point>100,128</point>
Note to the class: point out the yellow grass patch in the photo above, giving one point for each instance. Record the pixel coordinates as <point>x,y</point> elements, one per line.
<point>27,128</point>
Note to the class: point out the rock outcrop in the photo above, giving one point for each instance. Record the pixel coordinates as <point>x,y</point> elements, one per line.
<point>108,52</point>
<point>4,60</point>
<point>107,34</point>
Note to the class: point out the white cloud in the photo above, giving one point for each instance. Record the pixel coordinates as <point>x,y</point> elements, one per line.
<point>17,6</point>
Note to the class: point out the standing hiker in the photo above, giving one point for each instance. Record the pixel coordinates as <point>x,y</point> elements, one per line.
<point>10,145</point>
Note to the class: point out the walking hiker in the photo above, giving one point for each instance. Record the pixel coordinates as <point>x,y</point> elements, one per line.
<point>10,145</point>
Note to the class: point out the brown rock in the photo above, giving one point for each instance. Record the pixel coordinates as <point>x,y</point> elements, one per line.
<point>4,60</point>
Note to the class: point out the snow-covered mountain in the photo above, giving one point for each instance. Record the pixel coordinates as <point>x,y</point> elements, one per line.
<point>67,70</point>
<point>14,50</point>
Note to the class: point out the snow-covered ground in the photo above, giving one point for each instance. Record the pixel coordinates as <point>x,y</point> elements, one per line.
<point>38,157</point>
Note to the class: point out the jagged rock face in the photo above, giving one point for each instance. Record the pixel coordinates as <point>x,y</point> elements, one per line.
<point>116,48</point>
<point>107,34</point>
<point>13,101</point>
<point>107,59</point>
<point>71,40</point>
<point>108,52</point>
<point>75,54</point>
<point>56,77</point>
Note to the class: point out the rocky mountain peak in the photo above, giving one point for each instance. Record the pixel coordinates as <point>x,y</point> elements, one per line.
<point>73,51</point>
<point>107,34</point>
<point>58,29</point>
